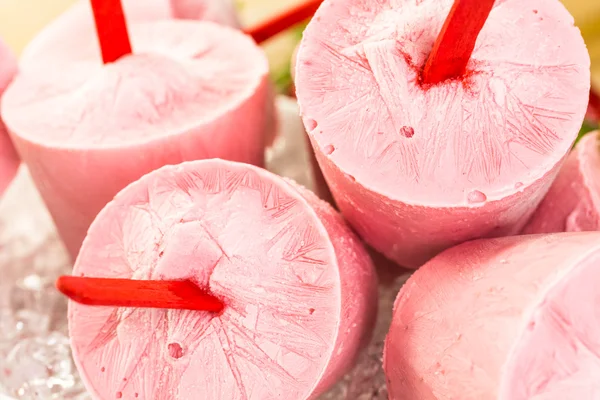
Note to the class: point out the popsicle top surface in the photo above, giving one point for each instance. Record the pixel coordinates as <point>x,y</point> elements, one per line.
<point>79,20</point>
<point>479,137</point>
<point>182,74</point>
<point>250,239</point>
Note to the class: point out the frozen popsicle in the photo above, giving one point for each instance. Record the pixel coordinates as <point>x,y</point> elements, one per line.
<point>56,38</point>
<point>437,122</point>
<point>500,319</point>
<point>573,202</point>
<point>298,290</point>
<point>9,160</point>
<point>190,90</point>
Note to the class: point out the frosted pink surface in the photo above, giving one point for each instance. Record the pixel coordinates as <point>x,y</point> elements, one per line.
<point>191,90</point>
<point>299,288</point>
<point>573,202</point>
<point>9,160</point>
<point>418,169</point>
<point>500,319</point>
<point>79,20</point>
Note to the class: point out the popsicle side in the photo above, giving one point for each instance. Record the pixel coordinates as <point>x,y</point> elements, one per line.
<point>573,202</point>
<point>359,291</point>
<point>9,159</point>
<point>509,318</point>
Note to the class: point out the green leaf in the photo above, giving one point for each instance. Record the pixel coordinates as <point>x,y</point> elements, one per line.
<point>282,79</point>
<point>298,30</point>
<point>587,127</point>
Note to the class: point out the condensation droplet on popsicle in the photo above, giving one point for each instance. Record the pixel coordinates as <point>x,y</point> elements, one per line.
<point>476,197</point>
<point>329,149</point>
<point>311,124</point>
<point>175,350</point>
<point>407,131</point>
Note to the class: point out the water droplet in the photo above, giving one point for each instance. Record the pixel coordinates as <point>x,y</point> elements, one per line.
<point>351,177</point>
<point>329,149</point>
<point>175,350</point>
<point>102,369</point>
<point>518,185</point>
<point>476,197</point>
<point>311,311</point>
<point>119,395</point>
<point>310,124</point>
<point>407,131</point>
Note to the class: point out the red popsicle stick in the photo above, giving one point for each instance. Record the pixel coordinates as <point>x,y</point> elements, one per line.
<point>455,43</point>
<point>111,28</point>
<point>271,27</point>
<point>594,106</point>
<point>183,295</point>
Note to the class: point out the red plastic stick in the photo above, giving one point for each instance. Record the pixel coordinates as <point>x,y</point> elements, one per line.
<point>455,43</point>
<point>111,28</point>
<point>183,295</point>
<point>267,29</point>
<point>594,106</point>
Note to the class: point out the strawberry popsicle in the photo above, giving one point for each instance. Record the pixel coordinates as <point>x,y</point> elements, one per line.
<point>417,167</point>
<point>299,290</point>
<point>573,202</point>
<point>512,318</point>
<point>190,90</point>
<point>9,160</point>
<point>55,38</point>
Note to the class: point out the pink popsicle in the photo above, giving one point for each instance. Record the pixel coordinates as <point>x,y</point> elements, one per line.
<point>299,289</point>
<point>573,202</point>
<point>500,319</point>
<point>9,160</point>
<point>191,90</point>
<point>418,168</point>
<point>55,38</point>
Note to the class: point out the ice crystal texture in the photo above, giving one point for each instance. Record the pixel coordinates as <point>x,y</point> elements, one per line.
<point>35,358</point>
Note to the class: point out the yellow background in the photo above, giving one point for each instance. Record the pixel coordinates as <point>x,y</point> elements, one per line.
<point>21,19</point>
